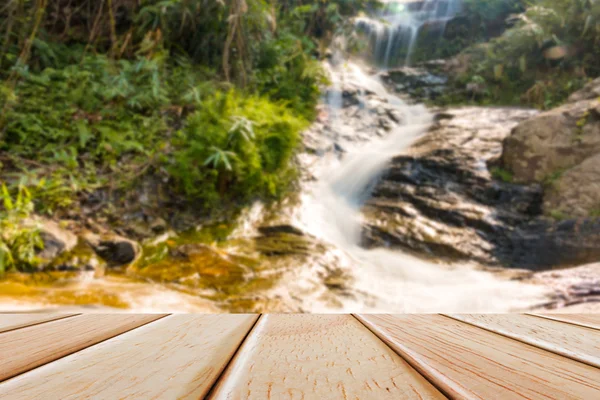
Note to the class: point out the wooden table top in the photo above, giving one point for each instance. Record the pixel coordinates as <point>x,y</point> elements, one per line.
<point>299,356</point>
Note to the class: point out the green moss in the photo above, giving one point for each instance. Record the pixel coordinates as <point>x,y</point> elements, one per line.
<point>502,174</point>
<point>558,215</point>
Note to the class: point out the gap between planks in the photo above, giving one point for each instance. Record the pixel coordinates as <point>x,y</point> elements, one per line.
<point>572,341</point>
<point>318,356</point>
<point>467,362</point>
<point>591,321</point>
<point>12,321</point>
<point>179,356</point>
<point>27,348</point>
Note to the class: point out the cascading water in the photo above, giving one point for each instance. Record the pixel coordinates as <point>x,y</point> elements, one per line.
<point>395,31</point>
<point>391,281</point>
<point>388,280</point>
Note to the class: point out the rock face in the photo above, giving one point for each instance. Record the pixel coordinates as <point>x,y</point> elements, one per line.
<point>560,148</point>
<point>441,199</point>
<point>419,83</point>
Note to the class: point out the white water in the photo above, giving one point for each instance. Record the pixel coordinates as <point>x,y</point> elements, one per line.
<point>389,280</point>
<point>396,29</point>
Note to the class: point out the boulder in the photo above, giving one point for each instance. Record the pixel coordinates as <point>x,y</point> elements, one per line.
<point>115,250</point>
<point>561,148</point>
<point>554,141</point>
<point>56,240</point>
<point>576,193</point>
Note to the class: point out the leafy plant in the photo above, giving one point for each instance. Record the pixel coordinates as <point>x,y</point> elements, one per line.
<point>547,55</point>
<point>19,241</point>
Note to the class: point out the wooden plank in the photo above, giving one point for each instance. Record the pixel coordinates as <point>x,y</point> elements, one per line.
<point>318,357</point>
<point>178,357</point>
<point>587,320</point>
<point>10,321</point>
<point>28,348</point>
<point>576,342</point>
<point>466,362</point>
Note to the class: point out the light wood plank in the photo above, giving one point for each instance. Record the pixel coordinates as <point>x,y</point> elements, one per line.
<point>9,322</point>
<point>177,357</point>
<point>576,342</point>
<point>318,357</point>
<point>587,320</point>
<point>466,362</point>
<point>28,348</point>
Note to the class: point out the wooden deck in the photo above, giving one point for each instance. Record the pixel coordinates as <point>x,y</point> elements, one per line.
<point>235,356</point>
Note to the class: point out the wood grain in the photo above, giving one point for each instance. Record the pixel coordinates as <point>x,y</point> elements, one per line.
<point>27,348</point>
<point>466,362</point>
<point>587,320</point>
<point>9,322</point>
<point>576,342</point>
<point>178,357</point>
<point>318,357</point>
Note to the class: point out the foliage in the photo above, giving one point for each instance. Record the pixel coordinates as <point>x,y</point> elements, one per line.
<point>209,94</point>
<point>19,242</point>
<point>477,22</point>
<point>238,143</point>
<point>549,53</point>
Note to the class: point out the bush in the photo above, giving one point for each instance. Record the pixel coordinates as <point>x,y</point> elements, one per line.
<point>18,242</point>
<point>546,56</point>
<point>236,146</point>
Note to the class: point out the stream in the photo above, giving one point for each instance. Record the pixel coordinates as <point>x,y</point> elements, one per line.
<point>327,269</point>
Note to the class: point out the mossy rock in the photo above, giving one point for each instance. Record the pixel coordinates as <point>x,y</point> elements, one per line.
<point>196,266</point>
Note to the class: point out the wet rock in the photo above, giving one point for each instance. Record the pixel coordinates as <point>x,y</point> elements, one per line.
<point>56,240</point>
<point>574,290</point>
<point>395,116</point>
<point>441,199</point>
<point>275,229</point>
<point>115,250</point>
<point>418,83</point>
<point>80,259</point>
<point>197,266</point>
<point>386,124</point>
<point>286,244</point>
<point>158,225</point>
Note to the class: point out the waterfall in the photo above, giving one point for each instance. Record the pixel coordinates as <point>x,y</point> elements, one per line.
<point>395,30</point>
<point>388,280</point>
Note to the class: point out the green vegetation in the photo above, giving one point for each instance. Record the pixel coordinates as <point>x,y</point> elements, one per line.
<point>502,174</point>
<point>550,52</point>
<point>19,240</point>
<point>206,97</point>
